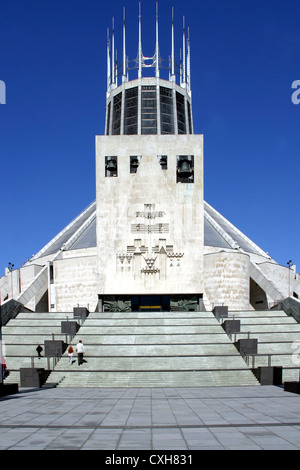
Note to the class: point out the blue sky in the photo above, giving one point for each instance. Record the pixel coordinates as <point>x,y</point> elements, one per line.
<point>245,55</point>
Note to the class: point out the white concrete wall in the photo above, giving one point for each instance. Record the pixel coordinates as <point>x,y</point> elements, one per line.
<point>13,283</point>
<point>280,276</point>
<point>227,279</point>
<point>120,199</point>
<point>3,288</point>
<point>28,273</point>
<point>75,281</point>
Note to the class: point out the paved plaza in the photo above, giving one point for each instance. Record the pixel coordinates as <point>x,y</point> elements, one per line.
<point>210,418</point>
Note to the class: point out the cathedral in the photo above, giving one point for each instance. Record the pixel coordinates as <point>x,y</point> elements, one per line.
<point>149,242</point>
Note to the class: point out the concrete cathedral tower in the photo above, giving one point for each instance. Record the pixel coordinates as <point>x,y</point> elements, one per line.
<point>149,185</point>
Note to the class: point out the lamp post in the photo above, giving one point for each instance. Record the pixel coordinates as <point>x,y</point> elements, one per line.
<point>290,263</point>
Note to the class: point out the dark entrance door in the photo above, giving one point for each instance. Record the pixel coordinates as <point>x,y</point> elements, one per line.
<point>150,303</point>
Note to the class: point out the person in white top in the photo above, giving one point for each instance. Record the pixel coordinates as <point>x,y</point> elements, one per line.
<point>80,351</point>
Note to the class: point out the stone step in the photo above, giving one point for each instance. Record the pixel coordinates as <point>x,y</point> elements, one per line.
<point>37,323</point>
<point>158,363</point>
<point>290,375</point>
<point>103,350</point>
<point>257,313</point>
<point>284,360</point>
<point>270,328</point>
<point>141,338</point>
<point>44,315</point>
<point>145,315</point>
<point>271,337</point>
<point>30,339</point>
<point>267,321</point>
<point>151,330</point>
<point>153,378</point>
<point>149,322</point>
<point>29,329</point>
<point>285,347</point>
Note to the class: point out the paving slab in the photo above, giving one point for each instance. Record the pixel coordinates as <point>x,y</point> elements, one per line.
<point>151,419</point>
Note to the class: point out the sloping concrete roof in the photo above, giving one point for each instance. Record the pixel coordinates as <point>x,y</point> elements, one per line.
<point>81,233</point>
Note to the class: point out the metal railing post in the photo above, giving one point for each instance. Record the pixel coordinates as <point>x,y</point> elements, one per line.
<point>269,360</point>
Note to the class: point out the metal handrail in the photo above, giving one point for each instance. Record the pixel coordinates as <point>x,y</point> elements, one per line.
<point>286,308</point>
<point>12,312</point>
<point>55,360</point>
<point>246,358</point>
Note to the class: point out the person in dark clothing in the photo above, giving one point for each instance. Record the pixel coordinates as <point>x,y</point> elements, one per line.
<point>39,349</point>
<point>80,351</point>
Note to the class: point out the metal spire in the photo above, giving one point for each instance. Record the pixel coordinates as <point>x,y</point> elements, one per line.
<point>113,50</point>
<point>180,67</point>
<point>157,45</point>
<point>108,62</point>
<point>183,53</point>
<point>124,49</point>
<point>140,43</point>
<point>188,62</point>
<point>155,62</point>
<point>116,70</point>
<point>172,53</point>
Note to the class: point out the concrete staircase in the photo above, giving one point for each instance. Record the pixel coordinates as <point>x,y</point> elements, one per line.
<point>277,335</point>
<point>21,336</point>
<point>146,349</point>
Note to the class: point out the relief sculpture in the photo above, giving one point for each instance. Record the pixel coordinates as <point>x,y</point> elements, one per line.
<point>147,256</point>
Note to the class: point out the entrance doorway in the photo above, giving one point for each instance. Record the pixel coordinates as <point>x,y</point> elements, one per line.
<point>150,303</point>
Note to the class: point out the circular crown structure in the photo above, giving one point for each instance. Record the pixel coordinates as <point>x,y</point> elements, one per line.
<point>148,105</point>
